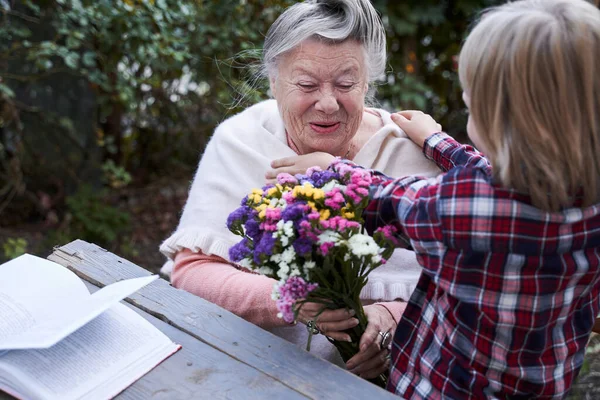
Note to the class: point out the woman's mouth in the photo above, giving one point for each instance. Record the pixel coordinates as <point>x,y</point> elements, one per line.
<point>324,127</point>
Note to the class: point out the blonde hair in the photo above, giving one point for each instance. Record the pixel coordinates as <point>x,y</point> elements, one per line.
<point>532,71</point>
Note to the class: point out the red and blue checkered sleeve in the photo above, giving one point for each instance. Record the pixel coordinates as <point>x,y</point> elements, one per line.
<point>447,153</point>
<point>409,204</point>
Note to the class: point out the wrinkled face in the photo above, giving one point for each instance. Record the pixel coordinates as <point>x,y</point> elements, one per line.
<point>471,129</point>
<point>320,90</point>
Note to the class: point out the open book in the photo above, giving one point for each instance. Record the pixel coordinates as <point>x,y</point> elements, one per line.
<point>59,342</point>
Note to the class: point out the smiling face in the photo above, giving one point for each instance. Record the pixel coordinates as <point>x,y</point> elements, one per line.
<point>320,90</point>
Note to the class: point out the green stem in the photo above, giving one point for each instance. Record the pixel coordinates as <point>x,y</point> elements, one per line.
<point>349,349</point>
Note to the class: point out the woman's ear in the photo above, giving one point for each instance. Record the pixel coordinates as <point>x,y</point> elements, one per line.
<point>272,84</point>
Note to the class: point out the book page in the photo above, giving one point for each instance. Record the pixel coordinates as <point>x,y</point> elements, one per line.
<point>14,316</point>
<point>38,288</point>
<point>71,317</point>
<point>92,356</point>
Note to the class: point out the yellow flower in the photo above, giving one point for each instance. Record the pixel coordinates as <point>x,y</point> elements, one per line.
<point>256,196</point>
<point>347,214</point>
<point>312,205</point>
<point>307,190</point>
<point>262,210</point>
<point>318,194</point>
<point>272,191</point>
<point>325,214</point>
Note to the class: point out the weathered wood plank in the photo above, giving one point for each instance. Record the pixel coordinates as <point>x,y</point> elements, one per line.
<point>200,371</point>
<point>219,328</point>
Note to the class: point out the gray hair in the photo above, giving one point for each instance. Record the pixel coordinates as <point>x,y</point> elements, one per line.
<point>333,20</point>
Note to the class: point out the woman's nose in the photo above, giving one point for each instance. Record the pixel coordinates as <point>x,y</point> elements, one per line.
<point>327,103</point>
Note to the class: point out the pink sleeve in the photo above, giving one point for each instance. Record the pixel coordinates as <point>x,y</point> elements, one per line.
<point>395,308</point>
<point>243,293</point>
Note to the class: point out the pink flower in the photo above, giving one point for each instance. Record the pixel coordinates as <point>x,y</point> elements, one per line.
<point>314,216</point>
<point>284,178</point>
<point>341,168</point>
<point>287,196</point>
<point>335,200</point>
<point>268,227</point>
<point>389,233</point>
<point>339,224</point>
<point>353,194</point>
<point>312,170</point>
<point>325,247</point>
<point>294,289</point>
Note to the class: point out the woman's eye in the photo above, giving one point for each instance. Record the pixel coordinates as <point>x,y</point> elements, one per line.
<point>307,86</point>
<point>345,86</point>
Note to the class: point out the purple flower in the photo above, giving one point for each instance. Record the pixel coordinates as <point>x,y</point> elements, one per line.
<point>264,247</point>
<point>320,178</point>
<point>239,251</point>
<point>303,246</point>
<point>252,227</point>
<point>293,212</point>
<point>239,215</point>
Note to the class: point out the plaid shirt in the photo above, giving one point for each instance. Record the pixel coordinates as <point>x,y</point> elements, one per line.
<point>508,294</point>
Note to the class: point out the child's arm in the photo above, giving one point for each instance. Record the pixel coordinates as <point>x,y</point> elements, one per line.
<point>446,152</point>
<point>399,202</point>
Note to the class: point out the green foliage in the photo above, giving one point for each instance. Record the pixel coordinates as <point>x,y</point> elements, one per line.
<point>424,39</point>
<point>92,219</point>
<point>14,247</point>
<point>115,176</point>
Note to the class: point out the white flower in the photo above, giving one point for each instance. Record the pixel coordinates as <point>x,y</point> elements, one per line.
<point>310,264</point>
<point>333,184</point>
<point>288,229</point>
<point>295,270</point>
<point>285,231</point>
<point>363,245</point>
<point>265,271</point>
<point>275,291</point>
<point>246,263</point>
<point>284,270</point>
<point>329,236</point>
<point>277,203</point>
<point>288,255</point>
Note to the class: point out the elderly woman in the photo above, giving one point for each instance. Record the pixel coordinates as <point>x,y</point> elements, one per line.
<point>319,57</point>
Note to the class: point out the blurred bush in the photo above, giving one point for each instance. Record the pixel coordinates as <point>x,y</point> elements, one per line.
<point>111,93</point>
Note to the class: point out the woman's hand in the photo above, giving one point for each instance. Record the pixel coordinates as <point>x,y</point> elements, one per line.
<point>372,360</point>
<point>298,164</point>
<point>331,323</point>
<point>417,125</point>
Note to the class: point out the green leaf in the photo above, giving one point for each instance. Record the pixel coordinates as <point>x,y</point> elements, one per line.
<point>72,60</point>
<point>89,59</point>
<point>8,92</point>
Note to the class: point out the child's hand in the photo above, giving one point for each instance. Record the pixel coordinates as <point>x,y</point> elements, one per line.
<point>417,125</point>
<point>298,164</point>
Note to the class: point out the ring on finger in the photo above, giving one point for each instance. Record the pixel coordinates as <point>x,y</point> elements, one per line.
<point>385,339</point>
<point>311,327</point>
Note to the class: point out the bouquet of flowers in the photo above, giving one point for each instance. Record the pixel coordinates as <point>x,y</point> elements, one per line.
<point>306,231</point>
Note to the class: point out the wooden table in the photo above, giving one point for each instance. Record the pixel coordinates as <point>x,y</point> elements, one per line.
<point>223,356</point>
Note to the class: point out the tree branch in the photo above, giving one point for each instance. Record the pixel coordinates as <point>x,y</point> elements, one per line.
<point>22,16</point>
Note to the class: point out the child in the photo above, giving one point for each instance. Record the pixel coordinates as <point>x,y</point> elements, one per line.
<point>510,247</point>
